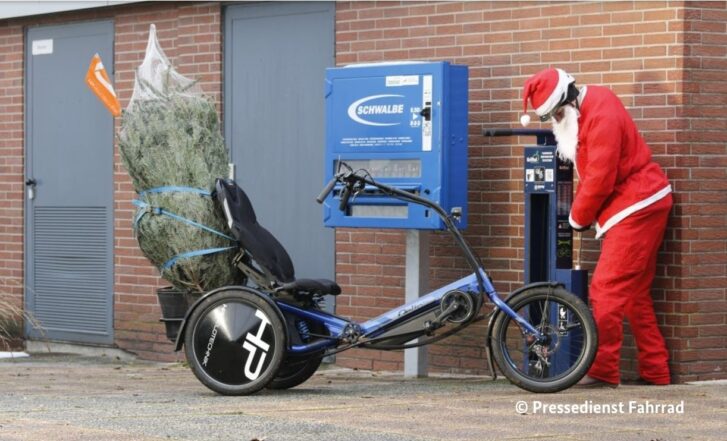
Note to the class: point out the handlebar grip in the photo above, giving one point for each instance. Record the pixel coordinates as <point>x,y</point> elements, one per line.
<point>345,196</point>
<point>324,193</point>
<point>497,132</point>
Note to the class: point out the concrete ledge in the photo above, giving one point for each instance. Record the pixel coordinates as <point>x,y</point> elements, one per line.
<point>42,347</point>
<point>708,383</point>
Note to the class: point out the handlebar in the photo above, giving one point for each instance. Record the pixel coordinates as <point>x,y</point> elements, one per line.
<point>327,189</point>
<point>345,196</point>
<point>350,181</point>
<point>544,136</point>
<point>354,182</point>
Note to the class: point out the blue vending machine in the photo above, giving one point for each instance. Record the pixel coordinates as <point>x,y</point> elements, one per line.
<point>406,124</point>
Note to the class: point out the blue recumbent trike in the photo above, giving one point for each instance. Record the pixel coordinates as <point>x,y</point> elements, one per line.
<point>272,332</point>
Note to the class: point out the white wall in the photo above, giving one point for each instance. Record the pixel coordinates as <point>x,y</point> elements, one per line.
<point>10,9</point>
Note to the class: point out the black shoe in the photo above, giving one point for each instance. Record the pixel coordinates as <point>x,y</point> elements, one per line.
<point>641,382</point>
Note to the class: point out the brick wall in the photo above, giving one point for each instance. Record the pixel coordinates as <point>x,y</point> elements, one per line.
<point>11,163</point>
<point>190,34</point>
<point>662,58</point>
<point>700,229</point>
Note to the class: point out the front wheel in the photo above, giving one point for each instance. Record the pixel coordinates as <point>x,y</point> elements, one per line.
<point>558,360</point>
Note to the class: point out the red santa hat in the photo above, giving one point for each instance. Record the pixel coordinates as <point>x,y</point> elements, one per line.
<point>546,90</point>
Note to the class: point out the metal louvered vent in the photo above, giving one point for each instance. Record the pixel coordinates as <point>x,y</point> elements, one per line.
<point>72,270</point>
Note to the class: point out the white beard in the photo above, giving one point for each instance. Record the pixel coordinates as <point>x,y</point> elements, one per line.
<point>566,133</point>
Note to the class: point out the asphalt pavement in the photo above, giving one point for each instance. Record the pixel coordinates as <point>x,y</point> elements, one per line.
<point>69,397</point>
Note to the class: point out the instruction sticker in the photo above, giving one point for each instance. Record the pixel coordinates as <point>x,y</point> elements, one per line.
<point>42,47</point>
<point>377,141</point>
<point>402,80</point>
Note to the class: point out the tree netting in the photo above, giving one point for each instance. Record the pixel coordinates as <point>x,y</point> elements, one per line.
<point>171,145</point>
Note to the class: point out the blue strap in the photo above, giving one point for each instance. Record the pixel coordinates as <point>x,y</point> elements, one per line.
<point>139,214</point>
<point>162,189</point>
<point>157,210</point>
<point>189,254</point>
<point>177,189</point>
<point>147,208</point>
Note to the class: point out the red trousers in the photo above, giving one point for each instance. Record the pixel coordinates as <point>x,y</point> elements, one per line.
<point>621,285</point>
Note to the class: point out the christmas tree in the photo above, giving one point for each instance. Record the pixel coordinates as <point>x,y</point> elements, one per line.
<point>171,145</point>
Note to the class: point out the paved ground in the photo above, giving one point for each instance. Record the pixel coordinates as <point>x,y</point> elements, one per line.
<point>55,397</point>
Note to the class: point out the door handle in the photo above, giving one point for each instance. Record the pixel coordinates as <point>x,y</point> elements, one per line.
<point>31,183</point>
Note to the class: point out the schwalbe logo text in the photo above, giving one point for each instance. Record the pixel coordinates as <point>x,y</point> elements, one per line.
<point>360,110</point>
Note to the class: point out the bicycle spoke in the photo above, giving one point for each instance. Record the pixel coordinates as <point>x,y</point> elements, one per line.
<point>544,313</point>
<point>538,359</point>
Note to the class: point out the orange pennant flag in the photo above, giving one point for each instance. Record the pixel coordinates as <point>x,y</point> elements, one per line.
<point>98,81</point>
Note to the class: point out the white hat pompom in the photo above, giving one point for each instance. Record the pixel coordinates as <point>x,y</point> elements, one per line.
<point>525,120</point>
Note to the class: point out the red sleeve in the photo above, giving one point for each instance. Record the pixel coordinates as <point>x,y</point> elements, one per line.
<point>598,178</point>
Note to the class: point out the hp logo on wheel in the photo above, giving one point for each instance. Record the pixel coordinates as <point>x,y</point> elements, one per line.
<point>253,343</point>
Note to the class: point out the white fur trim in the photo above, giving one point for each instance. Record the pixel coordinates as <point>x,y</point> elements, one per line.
<point>623,214</point>
<point>560,89</point>
<point>574,224</point>
<point>525,120</point>
<point>582,94</point>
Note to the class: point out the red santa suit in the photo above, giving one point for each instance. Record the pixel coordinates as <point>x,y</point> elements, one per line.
<point>628,197</point>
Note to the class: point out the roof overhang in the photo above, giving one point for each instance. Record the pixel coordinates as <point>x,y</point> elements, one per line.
<point>13,9</point>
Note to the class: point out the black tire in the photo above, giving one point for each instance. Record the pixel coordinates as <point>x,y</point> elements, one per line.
<point>566,355</point>
<point>296,370</point>
<point>246,356</point>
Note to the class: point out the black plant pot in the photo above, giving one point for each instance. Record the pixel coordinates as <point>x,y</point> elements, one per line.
<point>174,304</point>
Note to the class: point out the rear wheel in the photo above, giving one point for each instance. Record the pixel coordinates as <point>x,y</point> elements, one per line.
<point>235,342</point>
<point>565,353</point>
<point>296,370</point>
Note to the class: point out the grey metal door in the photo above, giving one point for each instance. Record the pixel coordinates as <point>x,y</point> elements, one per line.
<point>275,60</point>
<point>69,156</point>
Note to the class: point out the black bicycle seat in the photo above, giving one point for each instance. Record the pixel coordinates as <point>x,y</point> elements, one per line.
<point>261,245</point>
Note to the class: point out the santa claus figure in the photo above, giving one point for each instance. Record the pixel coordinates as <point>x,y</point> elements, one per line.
<point>627,197</point>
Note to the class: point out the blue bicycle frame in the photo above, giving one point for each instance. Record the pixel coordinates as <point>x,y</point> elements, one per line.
<point>375,326</point>
<point>337,325</point>
<point>476,284</point>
